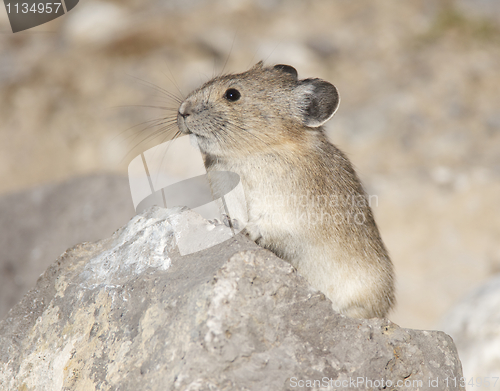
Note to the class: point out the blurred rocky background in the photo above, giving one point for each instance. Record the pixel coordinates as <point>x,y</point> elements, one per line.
<point>419,118</point>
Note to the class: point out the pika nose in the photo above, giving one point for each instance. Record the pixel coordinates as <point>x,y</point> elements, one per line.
<point>185,109</point>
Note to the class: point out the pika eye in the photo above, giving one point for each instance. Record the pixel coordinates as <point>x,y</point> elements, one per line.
<point>232,95</point>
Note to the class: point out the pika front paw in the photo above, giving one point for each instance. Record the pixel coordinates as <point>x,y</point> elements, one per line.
<point>228,222</point>
<point>214,222</point>
<point>231,223</point>
<point>253,232</point>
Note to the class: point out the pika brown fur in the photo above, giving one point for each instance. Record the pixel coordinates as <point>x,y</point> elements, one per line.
<point>304,200</point>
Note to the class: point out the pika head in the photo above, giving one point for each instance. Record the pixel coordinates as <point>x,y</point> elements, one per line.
<point>256,110</point>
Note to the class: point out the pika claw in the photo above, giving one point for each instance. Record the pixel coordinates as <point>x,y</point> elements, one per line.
<point>215,222</point>
<point>231,223</point>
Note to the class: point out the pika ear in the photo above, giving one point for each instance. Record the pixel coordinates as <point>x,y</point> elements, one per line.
<point>287,69</point>
<point>317,101</point>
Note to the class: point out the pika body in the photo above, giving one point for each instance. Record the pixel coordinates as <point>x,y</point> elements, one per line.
<point>304,200</point>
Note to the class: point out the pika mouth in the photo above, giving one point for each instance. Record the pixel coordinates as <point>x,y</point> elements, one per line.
<point>181,124</point>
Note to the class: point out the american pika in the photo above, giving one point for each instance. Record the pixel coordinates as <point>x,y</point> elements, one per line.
<point>304,200</point>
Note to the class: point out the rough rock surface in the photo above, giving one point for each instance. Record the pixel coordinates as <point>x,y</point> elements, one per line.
<point>129,313</point>
<point>474,324</point>
<point>37,225</point>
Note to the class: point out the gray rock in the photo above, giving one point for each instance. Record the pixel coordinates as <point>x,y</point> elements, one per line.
<point>37,225</point>
<point>474,324</point>
<point>130,313</point>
